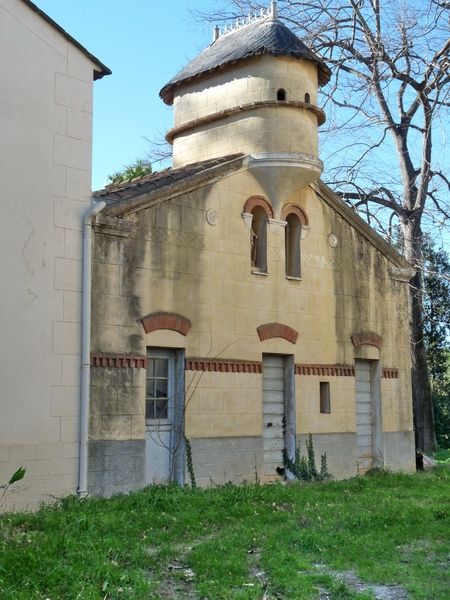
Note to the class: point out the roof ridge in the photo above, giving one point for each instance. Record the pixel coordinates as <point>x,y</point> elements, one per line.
<point>154,179</point>
<point>125,182</point>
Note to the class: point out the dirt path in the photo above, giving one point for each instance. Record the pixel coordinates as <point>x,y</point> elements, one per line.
<point>351,580</point>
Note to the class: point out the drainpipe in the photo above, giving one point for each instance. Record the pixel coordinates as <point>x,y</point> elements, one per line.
<point>91,212</point>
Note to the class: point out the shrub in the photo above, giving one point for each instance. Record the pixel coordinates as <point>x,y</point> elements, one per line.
<point>304,468</point>
<point>17,476</point>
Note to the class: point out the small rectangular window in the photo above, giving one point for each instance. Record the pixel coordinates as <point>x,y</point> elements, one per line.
<point>157,388</point>
<point>325,397</point>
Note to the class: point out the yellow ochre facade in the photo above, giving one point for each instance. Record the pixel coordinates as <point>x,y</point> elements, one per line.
<point>238,304</point>
<point>256,125</point>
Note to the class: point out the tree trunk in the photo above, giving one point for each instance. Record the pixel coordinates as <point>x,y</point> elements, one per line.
<point>421,389</point>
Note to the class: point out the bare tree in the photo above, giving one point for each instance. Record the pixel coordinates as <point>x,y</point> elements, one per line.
<point>159,150</point>
<point>382,148</point>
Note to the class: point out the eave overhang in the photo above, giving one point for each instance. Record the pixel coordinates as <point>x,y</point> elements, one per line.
<point>404,270</point>
<point>136,195</point>
<point>100,70</point>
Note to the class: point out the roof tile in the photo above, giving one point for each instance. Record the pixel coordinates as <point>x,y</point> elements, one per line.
<point>261,37</point>
<point>157,181</point>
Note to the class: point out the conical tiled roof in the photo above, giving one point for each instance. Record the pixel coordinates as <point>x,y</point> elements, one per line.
<point>267,36</point>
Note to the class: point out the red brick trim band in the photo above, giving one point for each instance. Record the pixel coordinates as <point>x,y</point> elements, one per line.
<point>295,209</point>
<point>166,320</point>
<point>367,338</point>
<point>390,373</point>
<point>229,112</point>
<point>254,201</point>
<point>326,370</point>
<point>339,370</point>
<point>118,361</point>
<point>244,366</point>
<point>223,365</point>
<point>277,330</point>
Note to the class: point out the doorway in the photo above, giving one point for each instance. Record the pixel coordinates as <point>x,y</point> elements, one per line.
<point>368,415</point>
<point>164,416</point>
<point>278,393</point>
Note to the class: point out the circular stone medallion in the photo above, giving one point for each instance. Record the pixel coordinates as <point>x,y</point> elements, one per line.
<point>333,240</point>
<point>212,217</point>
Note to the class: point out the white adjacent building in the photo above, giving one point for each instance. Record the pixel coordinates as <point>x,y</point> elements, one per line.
<point>46,85</point>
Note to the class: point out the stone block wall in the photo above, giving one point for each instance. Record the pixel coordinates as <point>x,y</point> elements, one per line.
<point>258,80</point>
<point>273,129</point>
<point>340,449</point>
<point>220,460</point>
<point>177,262</point>
<point>45,164</point>
<point>223,405</point>
<point>399,450</point>
<point>116,466</point>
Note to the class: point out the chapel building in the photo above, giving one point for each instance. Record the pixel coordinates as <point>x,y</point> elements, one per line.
<point>238,304</point>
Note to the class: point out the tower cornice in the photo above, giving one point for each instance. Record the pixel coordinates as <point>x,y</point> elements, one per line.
<point>242,108</point>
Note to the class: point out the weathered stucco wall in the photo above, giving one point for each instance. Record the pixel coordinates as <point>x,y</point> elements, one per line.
<point>178,262</point>
<point>45,164</point>
<point>253,131</point>
<point>256,80</point>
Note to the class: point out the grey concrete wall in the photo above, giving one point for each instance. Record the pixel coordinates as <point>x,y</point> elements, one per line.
<point>399,450</point>
<point>220,460</point>
<point>116,466</point>
<point>340,449</point>
<point>398,455</point>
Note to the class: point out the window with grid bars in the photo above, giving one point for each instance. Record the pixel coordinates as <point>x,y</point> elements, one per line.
<point>157,388</point>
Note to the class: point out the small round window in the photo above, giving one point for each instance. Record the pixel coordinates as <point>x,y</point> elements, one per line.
<point>281,95</point>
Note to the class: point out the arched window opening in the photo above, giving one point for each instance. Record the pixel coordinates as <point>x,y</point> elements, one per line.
<point>293,233</point>
<point>307,98</point>
<point>258,252</point>
<point>281,95</point>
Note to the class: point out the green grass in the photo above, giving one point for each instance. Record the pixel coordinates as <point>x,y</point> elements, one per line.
<point>235,542</point>
<point>442,456</point>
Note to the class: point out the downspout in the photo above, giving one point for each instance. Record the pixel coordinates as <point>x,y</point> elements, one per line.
<point>91,212</point>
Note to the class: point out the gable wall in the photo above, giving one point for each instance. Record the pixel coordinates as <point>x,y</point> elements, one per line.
<point>178,262</point>
<point>45,165</point>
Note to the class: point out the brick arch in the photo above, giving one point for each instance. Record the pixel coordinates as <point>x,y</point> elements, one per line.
<point>277,330</point>
<point>254,201</point>
<point>367,338</point>
<point>295,209</point>
<point>166,320</point>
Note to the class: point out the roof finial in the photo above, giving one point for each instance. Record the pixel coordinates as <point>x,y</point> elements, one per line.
<point>274,9</point>
<point>263,14</point>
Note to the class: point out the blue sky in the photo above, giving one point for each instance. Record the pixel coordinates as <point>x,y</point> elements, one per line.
<point>144,43</point>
